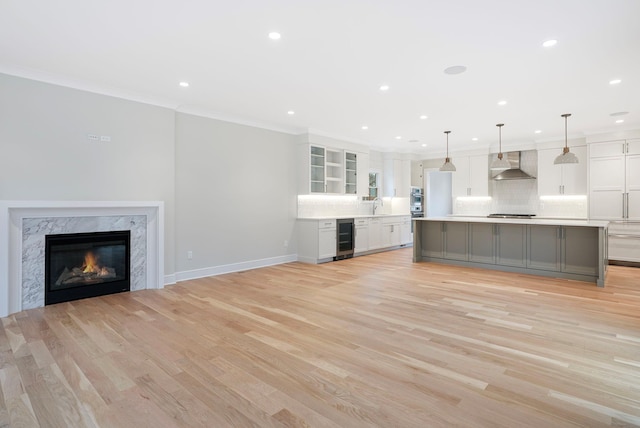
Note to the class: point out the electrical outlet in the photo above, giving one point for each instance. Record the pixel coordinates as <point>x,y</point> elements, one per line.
<point>190,255</point>
<point>92,137</point>
<point>105,138</point>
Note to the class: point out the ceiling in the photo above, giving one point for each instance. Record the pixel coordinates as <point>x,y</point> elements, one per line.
<point>333,56</point>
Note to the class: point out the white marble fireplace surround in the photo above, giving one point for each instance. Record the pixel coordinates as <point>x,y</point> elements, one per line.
<point>24,225</point>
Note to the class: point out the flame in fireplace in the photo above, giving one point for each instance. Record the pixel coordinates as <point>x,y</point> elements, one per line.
<point>90,263</point>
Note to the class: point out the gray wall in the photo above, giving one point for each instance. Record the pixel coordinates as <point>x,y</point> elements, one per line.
<point>45,153</point>
<point>235,193</point>
<point>229,190</point>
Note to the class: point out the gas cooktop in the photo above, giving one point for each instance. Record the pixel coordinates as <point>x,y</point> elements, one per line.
<point>511,215</point>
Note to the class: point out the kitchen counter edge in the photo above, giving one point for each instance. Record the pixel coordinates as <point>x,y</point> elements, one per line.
<point>335,217</point>
<point>540,221</point>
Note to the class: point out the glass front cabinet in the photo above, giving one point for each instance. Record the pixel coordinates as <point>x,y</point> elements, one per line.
<point>333,171</point>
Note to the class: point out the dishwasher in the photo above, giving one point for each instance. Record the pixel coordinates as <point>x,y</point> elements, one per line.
<point>345,239</point>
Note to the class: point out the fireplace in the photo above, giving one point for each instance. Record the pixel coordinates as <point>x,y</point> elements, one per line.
<point>81,265</point>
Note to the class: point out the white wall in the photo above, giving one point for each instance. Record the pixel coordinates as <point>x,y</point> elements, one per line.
<point>45,153</point>
<point>236,194</point>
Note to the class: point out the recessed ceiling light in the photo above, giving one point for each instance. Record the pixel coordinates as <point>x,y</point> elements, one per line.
<point>365,127</point>
<point>455,69</point>
<point>184,84</point>
<point>399,137</point>
<point>424,145</point>
<point>615,81</point>
<point>474,139</point>
<point>619,120</point>
<point>274,35</point>
<point>619,113</point>
<point>537,131</point>
<point>549,43</point>
<point>384,87</point>
<point>424,116</point>
<point>291,112</point>
<point>502,103</point>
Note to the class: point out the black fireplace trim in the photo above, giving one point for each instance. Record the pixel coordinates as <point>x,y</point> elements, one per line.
<point>69,294</point>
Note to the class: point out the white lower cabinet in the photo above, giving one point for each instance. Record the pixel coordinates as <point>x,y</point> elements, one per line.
<point>317,238</point>
<point>362,235</point>
<point>375,233</point>
<point>327,243</point>
<point>390,235</point>
<point>624,241</point>
<point>406,237</point>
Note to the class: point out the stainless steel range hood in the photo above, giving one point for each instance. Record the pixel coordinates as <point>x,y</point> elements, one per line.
<point>513,173</point>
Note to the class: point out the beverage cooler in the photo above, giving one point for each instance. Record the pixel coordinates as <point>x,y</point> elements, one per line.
<point>345,241</point>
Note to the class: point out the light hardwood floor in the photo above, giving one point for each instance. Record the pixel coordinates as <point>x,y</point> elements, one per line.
<point>375,341</point>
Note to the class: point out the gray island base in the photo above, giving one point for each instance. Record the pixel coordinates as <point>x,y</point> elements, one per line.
<point>569,249</point>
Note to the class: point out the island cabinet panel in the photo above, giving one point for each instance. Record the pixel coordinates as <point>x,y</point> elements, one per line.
<point>432,239</point>
<point>511,248</point>
<point>573,251</point>
<point>456,241</point>
<point>482,243</point>
<point>544,247</point>
<point>578,254</point>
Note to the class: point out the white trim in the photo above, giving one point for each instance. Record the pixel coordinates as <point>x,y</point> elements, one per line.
<point>170,279</point>
<point>13,212</point>
<point>234,267</point>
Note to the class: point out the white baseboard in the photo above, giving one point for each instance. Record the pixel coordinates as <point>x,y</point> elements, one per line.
<point>234,267</point>
<point>170,279</point>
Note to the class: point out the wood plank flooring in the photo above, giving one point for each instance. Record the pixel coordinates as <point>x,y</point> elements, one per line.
<point>375,341</point>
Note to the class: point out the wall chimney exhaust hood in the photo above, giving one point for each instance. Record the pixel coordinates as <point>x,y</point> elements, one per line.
<point>514,172</point>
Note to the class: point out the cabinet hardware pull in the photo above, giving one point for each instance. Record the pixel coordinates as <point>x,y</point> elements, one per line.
<point>615,235</point>
<point>627,202</point>
<point>623,204</point>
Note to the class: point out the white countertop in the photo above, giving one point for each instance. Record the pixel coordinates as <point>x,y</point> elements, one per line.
<point>337,217</point>
<point>541,221</point>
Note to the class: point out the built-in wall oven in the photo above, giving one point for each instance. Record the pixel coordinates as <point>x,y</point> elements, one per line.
<point>416,201</point>
<point>345,239</point>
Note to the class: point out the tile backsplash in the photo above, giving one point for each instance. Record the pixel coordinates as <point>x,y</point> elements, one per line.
<point>521,197</point>
<point>343,205</point>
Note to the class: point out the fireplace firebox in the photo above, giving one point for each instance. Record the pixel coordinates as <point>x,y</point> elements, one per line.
<point>81,265</point>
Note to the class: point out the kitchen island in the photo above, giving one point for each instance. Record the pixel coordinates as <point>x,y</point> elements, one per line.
<point>570,249</point>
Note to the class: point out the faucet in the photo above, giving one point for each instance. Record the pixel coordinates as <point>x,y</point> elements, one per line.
<point>377,199</point>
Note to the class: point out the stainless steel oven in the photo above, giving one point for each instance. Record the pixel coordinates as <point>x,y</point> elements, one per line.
<point>416,202</point>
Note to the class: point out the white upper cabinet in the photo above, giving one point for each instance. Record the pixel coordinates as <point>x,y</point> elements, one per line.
<point>568,179</point>
<point>321,170</point>
<point>350,173</point>
<point>363,174</point>
<point>417,171</point>
<point>397,178</point>
<point>317,161</point>
<point>614,173</point>
<point>632,180</point>
<point>471,177</point>
<point>333,171</point>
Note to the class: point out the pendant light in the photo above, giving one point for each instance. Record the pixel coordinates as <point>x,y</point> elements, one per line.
<point>499,163</point>
<point>566,156</point>
<point>447,166</point>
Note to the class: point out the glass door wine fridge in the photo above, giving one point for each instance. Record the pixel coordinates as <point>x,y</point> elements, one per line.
<point>345,239</point>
